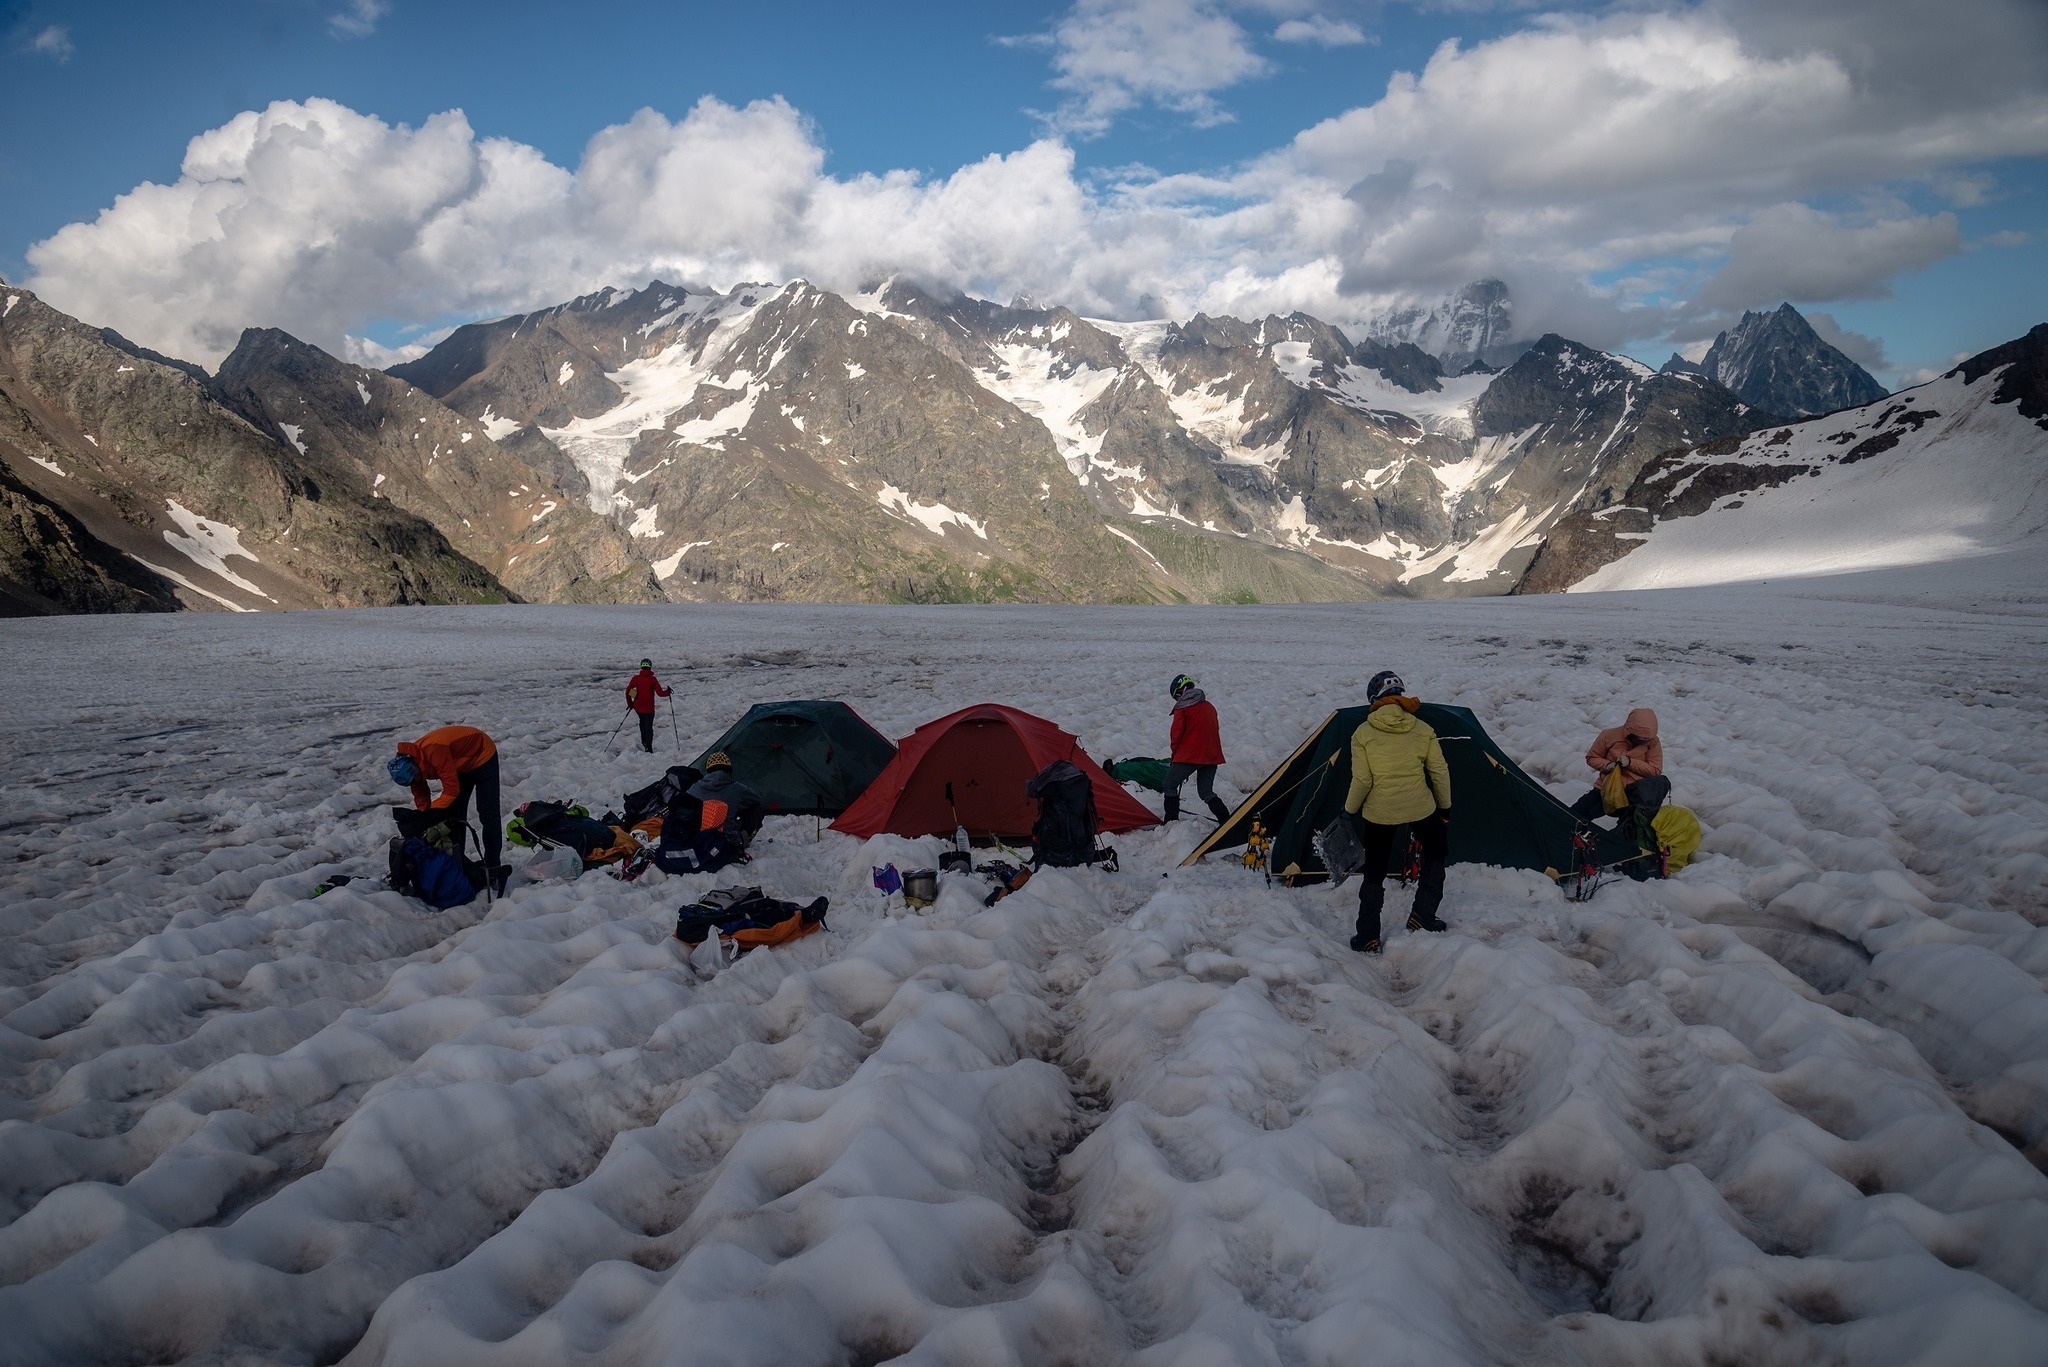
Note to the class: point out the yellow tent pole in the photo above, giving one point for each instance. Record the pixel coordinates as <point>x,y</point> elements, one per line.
<point>1207,845</point>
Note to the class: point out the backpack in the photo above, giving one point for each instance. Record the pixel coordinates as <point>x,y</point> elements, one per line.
<point>747,918</point>
<point>558,823</point>
<point>1064,835</point>
<point>659,796</point>
<point>434,875</point>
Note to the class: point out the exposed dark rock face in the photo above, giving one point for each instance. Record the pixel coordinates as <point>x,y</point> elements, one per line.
<point>1777,363</point>
<point>145,460</point>
<point>49,563</point>
<point>2024,382</point>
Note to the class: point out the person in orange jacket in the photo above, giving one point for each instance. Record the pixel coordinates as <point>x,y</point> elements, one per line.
<point>464,761</point>
<point>1197,742</point>
<point>641,691</point>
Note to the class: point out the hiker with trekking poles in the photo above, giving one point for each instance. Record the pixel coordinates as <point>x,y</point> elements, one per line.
<point>464,761</point>
<point>641,691</point>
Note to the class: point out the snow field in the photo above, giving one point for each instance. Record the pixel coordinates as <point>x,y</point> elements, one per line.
<point>1158,1116</point>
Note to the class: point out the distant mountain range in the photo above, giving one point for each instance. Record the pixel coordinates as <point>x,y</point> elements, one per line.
<point>784,442</point>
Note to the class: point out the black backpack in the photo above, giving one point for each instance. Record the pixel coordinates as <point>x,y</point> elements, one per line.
<point>1064,835</point>
<point>659,796</point>
<point>557,823</point>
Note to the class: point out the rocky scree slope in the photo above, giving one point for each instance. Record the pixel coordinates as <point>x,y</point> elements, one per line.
<point>1947,470</point>
<point>112,456</point>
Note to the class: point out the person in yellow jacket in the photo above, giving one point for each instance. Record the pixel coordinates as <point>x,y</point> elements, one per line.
<point>1399,782</point>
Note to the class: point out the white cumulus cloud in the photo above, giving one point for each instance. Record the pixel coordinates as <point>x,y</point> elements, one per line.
<point>53,42</point>
<point>358,18</point>
<point>1321,30</point>
<point>1683,155</point>
<point>1114,55</point>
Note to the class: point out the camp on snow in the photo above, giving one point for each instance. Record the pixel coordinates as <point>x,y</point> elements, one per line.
<point>1502,816</point>
<point>986,753</point>
<point>805,758</point>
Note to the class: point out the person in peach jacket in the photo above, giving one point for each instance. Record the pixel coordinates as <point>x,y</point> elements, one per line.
<point>1634,749</point>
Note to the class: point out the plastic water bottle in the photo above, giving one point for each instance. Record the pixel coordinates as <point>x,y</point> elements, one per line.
<point>960,839</point>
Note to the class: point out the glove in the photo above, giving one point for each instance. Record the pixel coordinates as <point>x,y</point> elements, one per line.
<point>1623,761</point>
<point>1443,814</point>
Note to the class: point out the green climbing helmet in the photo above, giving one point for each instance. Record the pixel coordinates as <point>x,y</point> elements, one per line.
<point>647,664</point>
<point>1181,684</point>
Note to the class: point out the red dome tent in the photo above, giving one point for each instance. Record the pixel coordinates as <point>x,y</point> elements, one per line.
<point>987,752</point>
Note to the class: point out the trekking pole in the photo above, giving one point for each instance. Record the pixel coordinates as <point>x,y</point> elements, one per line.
<point>616,729</point>
<point>673,727</point>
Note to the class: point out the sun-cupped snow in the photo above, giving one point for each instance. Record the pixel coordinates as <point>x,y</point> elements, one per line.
<point>657,386</point>
<point>1776,1109</point>
<point>208,544</point>
<point>934,517</point>
<point>1940,472</point>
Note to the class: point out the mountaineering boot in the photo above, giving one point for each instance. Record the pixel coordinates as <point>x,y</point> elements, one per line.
<point>500,874</point>
<point>1222,813</point>
<point>1364,945</point>
<point>1172,807</point>
<point>1433,923</point>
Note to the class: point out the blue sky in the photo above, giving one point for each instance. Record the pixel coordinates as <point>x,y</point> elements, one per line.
<point>1167,169</point>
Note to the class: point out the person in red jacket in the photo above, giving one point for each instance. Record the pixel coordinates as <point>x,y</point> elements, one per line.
<point>464,761</point>
<point>1197,748</point>
<point>641,692</point>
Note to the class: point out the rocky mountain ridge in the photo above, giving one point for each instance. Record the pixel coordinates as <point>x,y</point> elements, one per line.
<point>1946,470</point>
<point>131,486</point>
<point>1776,362</point>
<point>785,442</point>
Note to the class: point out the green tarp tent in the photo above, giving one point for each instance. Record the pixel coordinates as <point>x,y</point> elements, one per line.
<point>1500,815</point>
<point>804,758</point>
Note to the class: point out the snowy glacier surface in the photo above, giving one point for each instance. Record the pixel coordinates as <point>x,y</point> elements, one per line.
<point>1790,1106</point>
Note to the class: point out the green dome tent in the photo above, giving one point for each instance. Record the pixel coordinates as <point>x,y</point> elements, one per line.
<point>804,758</point>
<point>1500,815</point>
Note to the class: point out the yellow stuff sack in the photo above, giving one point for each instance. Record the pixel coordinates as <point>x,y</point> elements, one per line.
<point>1678,834</point>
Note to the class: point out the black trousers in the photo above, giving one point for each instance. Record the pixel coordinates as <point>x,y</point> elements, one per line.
<point>1648,793</point>
<point>647,732</point>
<point>1379,849</point>
<point>1204,775</point>
<point>483,782</point>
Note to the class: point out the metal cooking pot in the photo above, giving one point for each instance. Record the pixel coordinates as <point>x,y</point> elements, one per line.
<point>921,886</point>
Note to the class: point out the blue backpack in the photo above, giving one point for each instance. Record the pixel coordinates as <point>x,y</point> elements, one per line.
<point>433,875</point>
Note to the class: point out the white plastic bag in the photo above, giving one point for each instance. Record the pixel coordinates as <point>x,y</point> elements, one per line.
<point>557,862</point>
